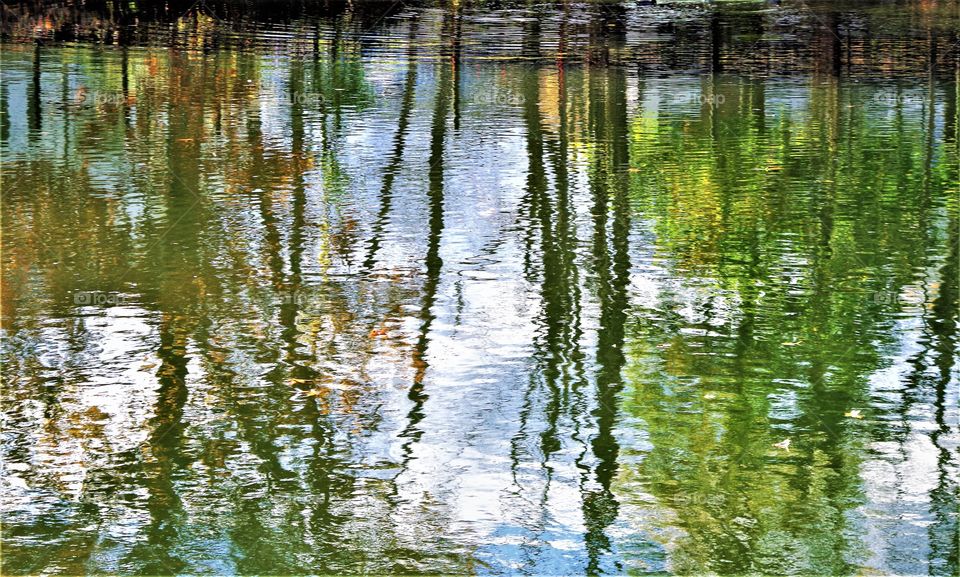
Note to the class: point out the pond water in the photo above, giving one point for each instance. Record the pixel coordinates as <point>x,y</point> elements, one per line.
<point>539,289</point>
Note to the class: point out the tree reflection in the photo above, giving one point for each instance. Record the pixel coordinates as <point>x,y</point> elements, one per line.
<point>684,273</point>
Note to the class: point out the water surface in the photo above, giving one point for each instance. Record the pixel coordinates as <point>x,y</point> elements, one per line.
<point>440,293</point>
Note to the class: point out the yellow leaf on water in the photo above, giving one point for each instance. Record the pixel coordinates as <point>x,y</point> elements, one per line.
<point>853,414</point>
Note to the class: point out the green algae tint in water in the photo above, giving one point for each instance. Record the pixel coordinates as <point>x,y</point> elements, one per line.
<point>358,306</point>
